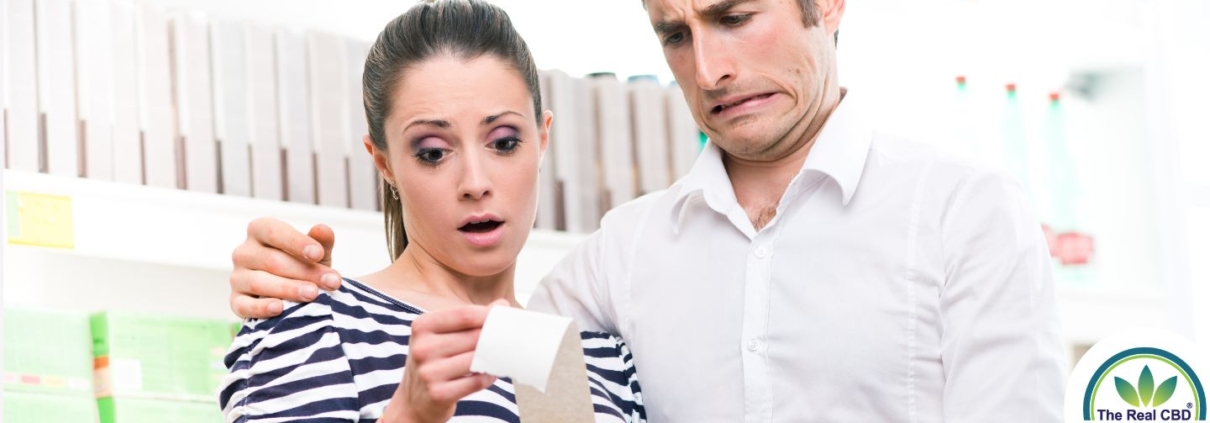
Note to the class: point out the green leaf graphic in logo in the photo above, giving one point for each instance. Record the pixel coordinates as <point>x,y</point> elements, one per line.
<point>1146,386</point>
<point>1126,391</point>
<point>1164,392</point>
<point>1147,394</point>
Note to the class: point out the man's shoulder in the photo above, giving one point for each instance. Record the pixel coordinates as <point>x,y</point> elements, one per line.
<point>631,214</point>
<point>899,153</point>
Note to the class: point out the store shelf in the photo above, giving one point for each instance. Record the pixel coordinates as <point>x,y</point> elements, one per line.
<point>139,248</point>
<point>168,251</point>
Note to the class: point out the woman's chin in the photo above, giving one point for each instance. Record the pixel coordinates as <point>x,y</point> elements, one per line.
<point>485,263</point>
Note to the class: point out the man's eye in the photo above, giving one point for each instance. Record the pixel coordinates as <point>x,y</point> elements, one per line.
<point>674,39</point>
<point>733,20</point>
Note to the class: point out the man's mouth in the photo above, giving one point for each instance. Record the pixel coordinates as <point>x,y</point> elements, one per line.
<point>721,107</point>
<point>481,227</point>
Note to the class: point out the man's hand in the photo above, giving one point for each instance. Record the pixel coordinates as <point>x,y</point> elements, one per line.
<point>277,262</point>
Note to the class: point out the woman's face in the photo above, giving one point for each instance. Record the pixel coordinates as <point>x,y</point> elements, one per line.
<point>463,149</point>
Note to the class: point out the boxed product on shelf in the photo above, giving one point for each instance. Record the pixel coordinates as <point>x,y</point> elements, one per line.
<point>22,75</point>
<point>363,176</point>
<point>122,409</point>
<point>170,357</point>
<point>650,133</point>
<point>127,149</point>
<point>192,79</point>
<point>95,84</point>
<point>155,103</point>
<point>232,121</point>
<point>265,138</point>
<point>616,141</point>
<point>57,86</point>
<point>44,407</point>
<point>329,117</point>
<point>295,116</point>
<point>47,351</point>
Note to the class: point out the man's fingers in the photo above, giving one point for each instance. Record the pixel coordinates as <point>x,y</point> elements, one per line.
<point>280,235</point>
<point>255,257</point>
<point>451,320</point>
<point>255,308</point>
<point>327,239</point>
<point>258,283</point>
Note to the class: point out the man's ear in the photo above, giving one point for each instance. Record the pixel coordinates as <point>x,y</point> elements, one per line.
<point>830,12</point>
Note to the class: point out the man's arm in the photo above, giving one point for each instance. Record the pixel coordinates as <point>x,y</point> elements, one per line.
<point>578,287</point>
<point>277,262</point>
<point>1000,346</point>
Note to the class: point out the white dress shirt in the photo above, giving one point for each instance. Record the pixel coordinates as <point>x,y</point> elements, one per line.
<point>895,284</point>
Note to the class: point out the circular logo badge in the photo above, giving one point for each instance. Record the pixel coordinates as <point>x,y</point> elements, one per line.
<point>1138,375</point>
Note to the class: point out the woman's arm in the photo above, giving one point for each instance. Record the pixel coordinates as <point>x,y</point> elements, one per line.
<point>290,368</point>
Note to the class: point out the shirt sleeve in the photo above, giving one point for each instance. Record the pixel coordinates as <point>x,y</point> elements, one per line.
<point>577,287</point>
<point>1000,346</point>
<point>612,376</point>
<point>291,368</point>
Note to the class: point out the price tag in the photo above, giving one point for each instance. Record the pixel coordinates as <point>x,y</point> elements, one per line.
<point>40,220</point>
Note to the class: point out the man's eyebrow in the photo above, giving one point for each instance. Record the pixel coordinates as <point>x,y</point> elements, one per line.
<point>669,26</point>
<point>710,13</point>
<point>721,8</point>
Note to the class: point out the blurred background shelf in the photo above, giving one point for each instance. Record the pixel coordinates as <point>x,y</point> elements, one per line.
<point>156,250</point>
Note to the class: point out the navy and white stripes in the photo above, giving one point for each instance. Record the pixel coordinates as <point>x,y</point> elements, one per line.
<point>340,358</point>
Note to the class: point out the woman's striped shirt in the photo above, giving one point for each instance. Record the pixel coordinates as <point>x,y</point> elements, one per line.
<point>340,358</point>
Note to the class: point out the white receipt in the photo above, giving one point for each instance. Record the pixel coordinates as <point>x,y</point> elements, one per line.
<point>543,356</point>
<point>519,344</point>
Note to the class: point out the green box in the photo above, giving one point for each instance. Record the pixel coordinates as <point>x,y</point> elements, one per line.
<point>172,357</point>
<point>40,407</point>
<point>47,351</point>
<point>148,410</point>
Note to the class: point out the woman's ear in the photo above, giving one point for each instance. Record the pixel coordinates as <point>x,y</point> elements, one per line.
<point>381,160</point>
<point>548,117</point>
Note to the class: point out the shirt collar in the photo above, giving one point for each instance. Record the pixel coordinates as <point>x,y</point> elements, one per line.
<point>839,152</point>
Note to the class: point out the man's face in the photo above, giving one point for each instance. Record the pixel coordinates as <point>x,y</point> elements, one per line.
<point>753,74</point>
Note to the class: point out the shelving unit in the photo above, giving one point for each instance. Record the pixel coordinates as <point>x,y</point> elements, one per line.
<point>156,250</point>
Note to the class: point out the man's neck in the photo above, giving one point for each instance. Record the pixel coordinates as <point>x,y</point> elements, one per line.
<point>760,184</point>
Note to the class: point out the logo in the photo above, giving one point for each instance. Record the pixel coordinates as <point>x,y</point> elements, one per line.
<point>1137,376</point>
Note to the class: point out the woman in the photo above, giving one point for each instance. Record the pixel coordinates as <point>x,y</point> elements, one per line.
<point>458,133</point>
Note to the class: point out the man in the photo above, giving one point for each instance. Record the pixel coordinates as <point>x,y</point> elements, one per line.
<point>808,268</point>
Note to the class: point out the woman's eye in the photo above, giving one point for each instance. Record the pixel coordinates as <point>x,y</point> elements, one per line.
<point>506,145</point>
<point>431,155</point>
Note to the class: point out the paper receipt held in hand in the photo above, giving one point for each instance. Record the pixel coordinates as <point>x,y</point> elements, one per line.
<point>542,355</point>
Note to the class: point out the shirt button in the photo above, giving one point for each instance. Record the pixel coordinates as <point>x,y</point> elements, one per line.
<point>753,345</point>
<point>760,252</point>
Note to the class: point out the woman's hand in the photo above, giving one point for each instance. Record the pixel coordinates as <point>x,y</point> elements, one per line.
<point>438,370</point>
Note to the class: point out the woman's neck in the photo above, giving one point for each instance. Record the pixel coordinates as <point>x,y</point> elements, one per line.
<point>416,277</point>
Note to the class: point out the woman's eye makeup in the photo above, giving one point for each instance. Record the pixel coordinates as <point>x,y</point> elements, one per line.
<point>430,150</point>
<point>504,140</point>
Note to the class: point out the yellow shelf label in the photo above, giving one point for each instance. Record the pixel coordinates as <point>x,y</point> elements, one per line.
<point>40,220</point>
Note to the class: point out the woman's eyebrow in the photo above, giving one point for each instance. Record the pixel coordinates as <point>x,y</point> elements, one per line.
<point>443,124</point>
<point>488,120</point>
